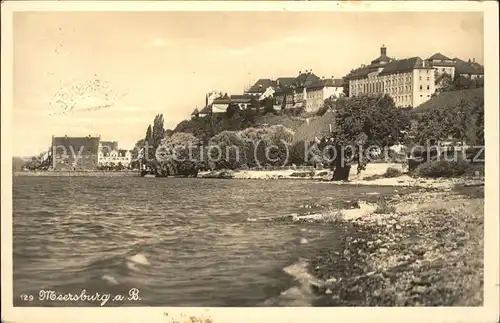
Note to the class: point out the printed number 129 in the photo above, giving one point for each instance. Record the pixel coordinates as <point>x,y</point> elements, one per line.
<point>27,298</point>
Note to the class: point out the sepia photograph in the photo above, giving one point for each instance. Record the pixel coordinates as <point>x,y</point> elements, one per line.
<point>216,157</point>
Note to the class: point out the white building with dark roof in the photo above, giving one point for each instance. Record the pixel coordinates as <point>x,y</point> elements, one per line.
<point>410,81</point>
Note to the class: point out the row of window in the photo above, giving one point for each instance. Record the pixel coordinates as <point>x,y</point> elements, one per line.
<point>116,158</point>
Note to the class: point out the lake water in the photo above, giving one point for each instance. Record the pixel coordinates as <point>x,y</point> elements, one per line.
<point>179,242</point>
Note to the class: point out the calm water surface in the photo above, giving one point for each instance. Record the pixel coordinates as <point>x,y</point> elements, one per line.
<point>180,242</point>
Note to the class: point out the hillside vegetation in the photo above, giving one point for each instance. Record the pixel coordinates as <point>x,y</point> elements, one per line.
<point>455,114</point>
<point>450,99</point>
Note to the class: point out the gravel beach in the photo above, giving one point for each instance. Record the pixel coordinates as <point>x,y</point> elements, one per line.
<point>424,250</point>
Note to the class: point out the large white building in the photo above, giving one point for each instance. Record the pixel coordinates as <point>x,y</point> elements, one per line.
<point>110,155</point>
<point>410,82</point>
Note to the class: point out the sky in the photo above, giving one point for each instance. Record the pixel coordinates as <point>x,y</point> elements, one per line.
<point>130,66</point>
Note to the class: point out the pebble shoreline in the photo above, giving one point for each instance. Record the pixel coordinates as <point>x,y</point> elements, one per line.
<point>429,252</point>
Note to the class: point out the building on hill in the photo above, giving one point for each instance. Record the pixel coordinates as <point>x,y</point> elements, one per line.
<point>307,91</point>
<point>470,69</point>
<point>317,93</point>
<point>442,64</point>
<point>195,113</point>
<point>75,153</point>
<point>410,81</point>
<point>260,87</point>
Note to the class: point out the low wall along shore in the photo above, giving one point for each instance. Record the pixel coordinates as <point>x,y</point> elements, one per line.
<point>78,173</point>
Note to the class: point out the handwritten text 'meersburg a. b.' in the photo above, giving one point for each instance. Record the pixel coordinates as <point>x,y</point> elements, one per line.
<point>83,296</point>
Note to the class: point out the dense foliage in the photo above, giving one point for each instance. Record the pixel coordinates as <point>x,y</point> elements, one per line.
<point>456,115</point>
<point>360,123</point>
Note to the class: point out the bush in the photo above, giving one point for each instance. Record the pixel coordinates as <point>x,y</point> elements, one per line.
<point>383,207</point>
<point>443,168</point>
<point>392,172</point>
<point>303,174</point>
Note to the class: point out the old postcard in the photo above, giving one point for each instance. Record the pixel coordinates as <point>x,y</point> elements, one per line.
<point>250,161</point>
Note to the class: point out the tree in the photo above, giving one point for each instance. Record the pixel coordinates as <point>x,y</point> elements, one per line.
<point>179,154</point>
<point>268,105</point>
<point>443,81</point>
<point>345,85</point>
<point>277,142</point>
<point>228,150</point>
<point>362,122</point>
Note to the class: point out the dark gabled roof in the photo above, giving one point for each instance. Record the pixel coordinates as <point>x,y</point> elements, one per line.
<point>195,112</point>
<point>88,145</point>
<point>404,65</point>
<point>206,110</point>
<point>241,98</point>
<point>285,81</point>
<point>381,58</point>
<point>221,101</point>
<point>360,72</point>
<point>122,152</point>
<point>306,80</point>
<point>260,86</point>
<point>439,57</point>
<point>463,67</point>
<point>442,64</point>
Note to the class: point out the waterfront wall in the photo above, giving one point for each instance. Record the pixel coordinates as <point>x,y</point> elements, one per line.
<point>78,173</point>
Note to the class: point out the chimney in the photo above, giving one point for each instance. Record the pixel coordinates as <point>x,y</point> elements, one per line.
<point>473,60</point>
<point>383,51</point>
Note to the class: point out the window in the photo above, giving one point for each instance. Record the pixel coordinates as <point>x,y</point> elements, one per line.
<point>420,78</point>
<point>427,78</point>
<point>420,87</point>
<point>427,87</point>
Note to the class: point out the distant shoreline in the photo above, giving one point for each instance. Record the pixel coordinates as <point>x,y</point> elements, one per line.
<point>78,173</point>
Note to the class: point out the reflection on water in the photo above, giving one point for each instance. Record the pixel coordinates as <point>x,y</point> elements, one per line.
<point>180,242</point>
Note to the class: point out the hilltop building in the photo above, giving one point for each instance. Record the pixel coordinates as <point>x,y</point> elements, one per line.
<point>470,69</point>
<point>410,81</point>
<point>454,68</point>
<point>306,90</point>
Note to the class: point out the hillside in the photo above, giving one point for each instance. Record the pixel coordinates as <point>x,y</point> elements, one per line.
<point>205,127</point>
<point>450,99</point>
<point>315,127</point>
<point>453,115</point>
